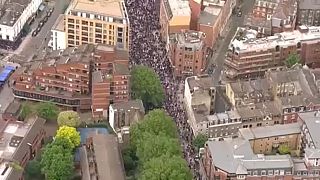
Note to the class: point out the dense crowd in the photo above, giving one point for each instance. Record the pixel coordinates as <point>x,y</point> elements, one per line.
<point>148,49</point>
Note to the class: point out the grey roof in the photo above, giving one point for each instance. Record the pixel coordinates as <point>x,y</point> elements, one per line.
<point>247,112</point>
<point>13,107</point>
<point>268,162</point>
<point>85,174</point>
<point>312,153</point>
<point>204,82</point>
<point>12,10</point>
<point>312,121</point>
<point>126,106</point>
<point>309,4</point>
<point>121,69</point>
<point>206,17</point>
<point>97,77</point>
<point>270,131</point>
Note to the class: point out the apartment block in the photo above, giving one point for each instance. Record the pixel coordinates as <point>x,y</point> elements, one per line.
<point>188,52</point>
<point>309,13</point>
<point>58,34</point>
<point>20,141</point>
<point>272,16</point>
<point>97,22</point>
<point>123,115</point>
<point>267,140</point>
<point>175,15</point>
<point>72,78</point>
<point>249,56</point>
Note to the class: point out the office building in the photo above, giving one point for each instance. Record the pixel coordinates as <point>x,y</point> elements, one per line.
<point>72,78</point>
<point>123,115</point>
<point>58,34</point>
<point>100,158</point>
<point>309,13</point>
<point>20,143</point>
<point>249,56</point>
<point>96,22</point>
<point>14,16</point>
<point>188,53</point>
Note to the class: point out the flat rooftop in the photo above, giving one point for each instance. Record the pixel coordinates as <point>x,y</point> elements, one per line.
<point>309,4</point>
<point>12,11</point>
<point>210,15</point>
<point>179,7</point>
<point>109,8</point>
<point>312,121</point>
<point>59,24</point>
<point>192,39</point>
<point>196,82</point>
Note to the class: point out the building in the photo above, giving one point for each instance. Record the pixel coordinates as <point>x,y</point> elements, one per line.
<point>188,53</point>
<point>20,142</point>
<point>72,78</point>
<point>309,13</point>
<point>12,112</point>
<point>267,140</point>
<point>14,15</point>
<point>58,35</point>
<point>272,16</point>
<point>175,15</point>
<point>213,18</point>
<point>100,158</point>
<point>310,129</point>
<point>96,22</point>
<point>123,115</point>
<point>249,56</point>
<point>199,98</point>
<point>234,159</point>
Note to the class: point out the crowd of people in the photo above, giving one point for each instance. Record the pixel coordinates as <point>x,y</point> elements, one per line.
<point>147,48</point>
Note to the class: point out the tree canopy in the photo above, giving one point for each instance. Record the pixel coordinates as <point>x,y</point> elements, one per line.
<point>25,111</point>
<point>166,167</point>
<point>69,118</point>
<point>199,141</point>
<point>47,110</point>
<point>57,162</point>
<point>146,85</point>
<point>69,133</point>
<point>292,60</point>
<point>284,149</point>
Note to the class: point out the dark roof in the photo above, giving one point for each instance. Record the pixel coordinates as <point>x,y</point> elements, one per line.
<point>13,108</point>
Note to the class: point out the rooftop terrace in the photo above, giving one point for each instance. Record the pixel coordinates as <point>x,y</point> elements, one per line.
<point>11,10</point>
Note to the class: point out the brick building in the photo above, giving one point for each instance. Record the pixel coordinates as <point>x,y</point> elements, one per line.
<point>249,56</point>
<point>308,13</point>
<point>188,52</point>
<point>75,78</point>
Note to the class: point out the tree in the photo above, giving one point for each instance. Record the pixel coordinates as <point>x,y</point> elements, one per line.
<point>199,141</point>
<point>284,149</point>
<point>69,133</point>
<point>146,85</point>
<point>292,60</point>
<point>69,118</point>
<point>25,111</point>
<point>156,146</point>
<point>33,170</point>
<point>165,167</point>
<point>47,110</point>
<point>63,142</point>
<point>57,163</point>
<point>156,122</point>
<point>130,159</point>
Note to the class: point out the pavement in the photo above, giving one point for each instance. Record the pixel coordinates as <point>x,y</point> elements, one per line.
<point>6,97</point>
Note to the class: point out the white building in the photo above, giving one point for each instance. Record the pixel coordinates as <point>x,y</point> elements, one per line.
<point>16,13</point>
<point>58,35</point>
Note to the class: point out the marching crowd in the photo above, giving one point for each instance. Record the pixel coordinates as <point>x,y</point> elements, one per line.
<point>148,49</point>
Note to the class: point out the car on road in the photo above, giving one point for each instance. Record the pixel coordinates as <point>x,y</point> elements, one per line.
<point>34,33</point>
<point>239,14</point>
<point>45,19</point>
<point>49,13</point>
<point>41,23</point>
<point>51,10</point>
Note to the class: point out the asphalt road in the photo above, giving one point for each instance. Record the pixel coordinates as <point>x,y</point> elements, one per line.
<point>32,45</point>
<point>235,22</point>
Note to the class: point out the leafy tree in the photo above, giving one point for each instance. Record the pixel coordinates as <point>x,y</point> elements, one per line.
<point>33,170</point>
<point>130,159</point>
<point>48,110</point>
<point>69,133</point>
<point>63,142</point>
<point>25,111</point>
<point>292,60</point>
<point>156,122</point>
<point>146,85</point>
<point>57,162</point>
<point>69,118</point>
<point>199,141</point>
<point>166,167</point>
<point>284,149</point>
<point>155,146</point>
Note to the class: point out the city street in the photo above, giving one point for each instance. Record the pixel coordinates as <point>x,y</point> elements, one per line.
<point>32,45</point>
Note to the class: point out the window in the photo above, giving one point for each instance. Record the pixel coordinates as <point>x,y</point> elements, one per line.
<point>263,173</point>
<point>276,172</point>
<point>270,172</point>
<point>255,173</point>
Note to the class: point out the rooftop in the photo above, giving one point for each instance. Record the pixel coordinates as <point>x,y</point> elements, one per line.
<point>59,24</point>
<point>312,122</point>
<point>270,131</point>
<point>11,10</point>
<point>191,39</point>
<point>108,8</point>
<point>128,106</point>
<point>309,4</point>
<point>200,82</point>
<point>179,7</point>
<point>121,69</point>
<point>209,15</point>
<point>280,39</point>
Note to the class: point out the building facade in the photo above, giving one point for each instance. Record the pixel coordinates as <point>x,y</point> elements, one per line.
<point>309,13</point>
<point>58,35</point>
<point>96,22</point>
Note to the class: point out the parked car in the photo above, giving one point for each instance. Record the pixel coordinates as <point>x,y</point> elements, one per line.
<point>239,14</point>
<point>45,19</point>
<point>49,13</point>
<point>34,33</point>
<point>41,23</point>
<point>51,10</point>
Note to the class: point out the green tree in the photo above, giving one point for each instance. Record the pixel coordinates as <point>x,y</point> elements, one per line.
<point>69,118</point>
<point>33,170</point>
<point>156,122</point>
<point>47,110</point>
<point>166,167</point>
<point>69,133</point>
<point>292,60</point>
<point>199,141</point>
<point>57,163</point>
<point>284,149</point>
<point>130,159</point>
<point>63,142</point>
<point>146,85</point>
<point>155,146</point>
<point>25,111</point>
